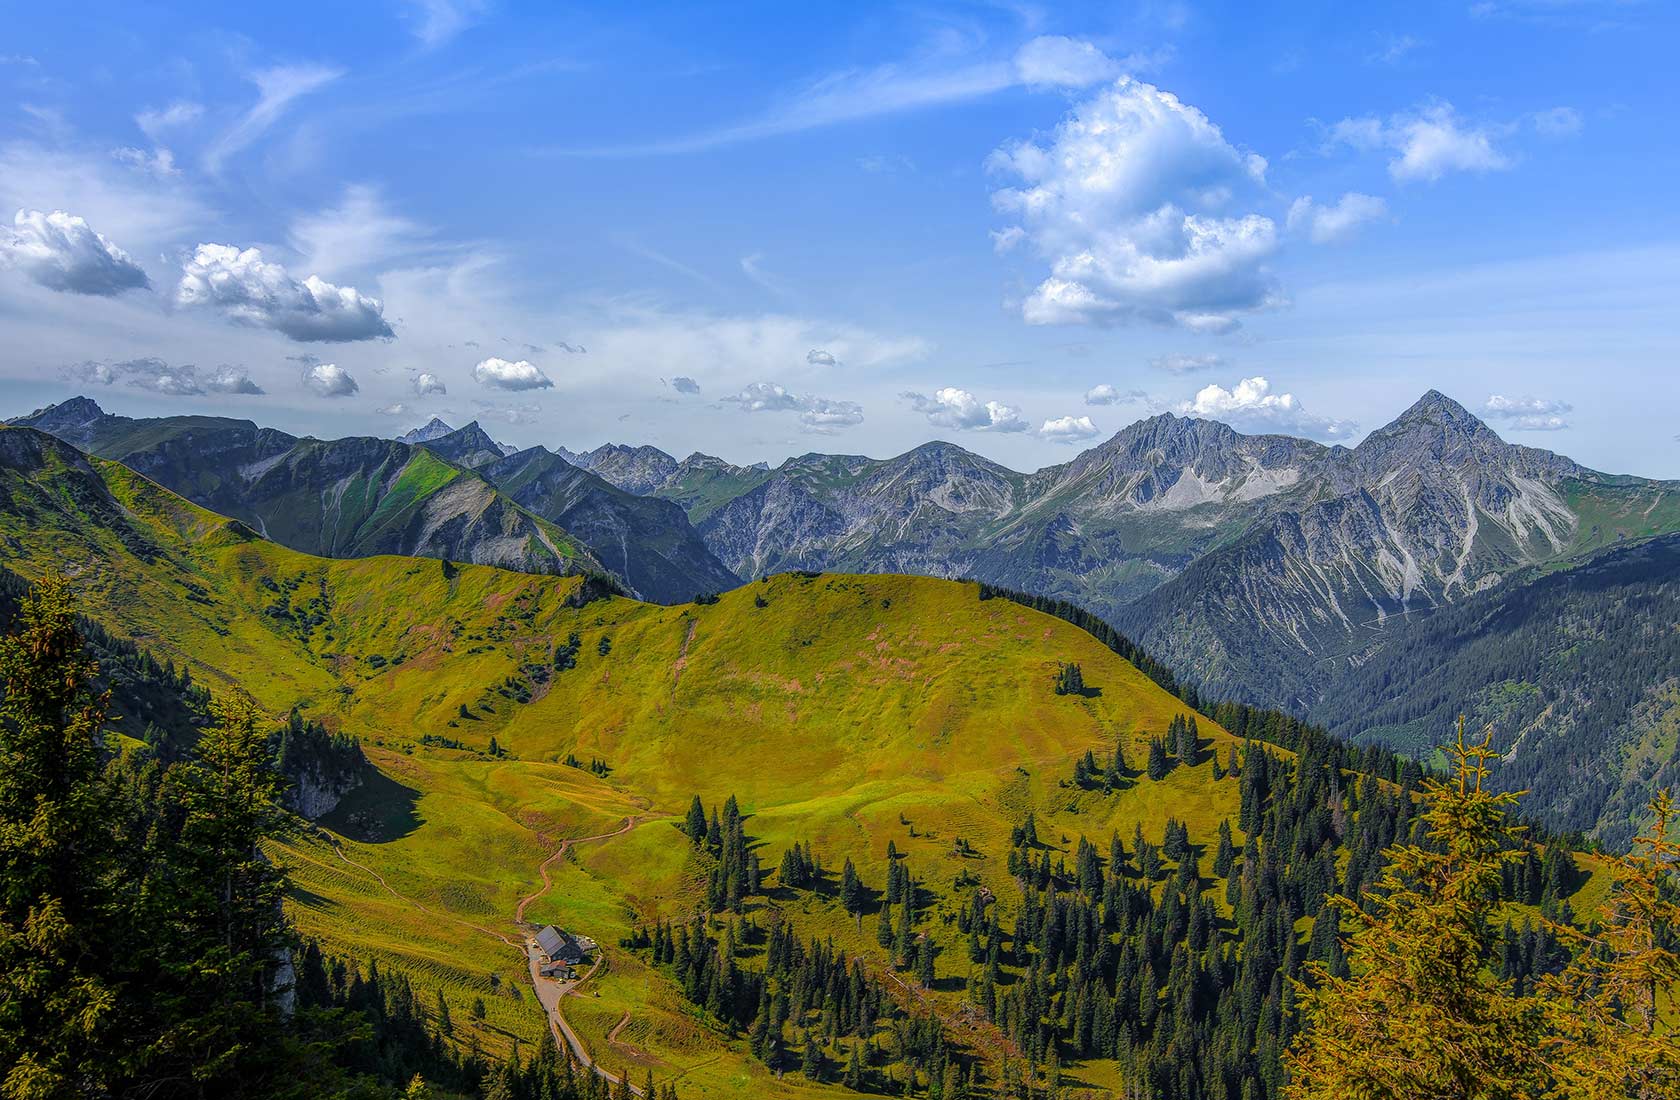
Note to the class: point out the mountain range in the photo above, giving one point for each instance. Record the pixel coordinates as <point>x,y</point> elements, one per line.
<point>1256,565</point>
<point>438,498</point>
<point>1261,568</point>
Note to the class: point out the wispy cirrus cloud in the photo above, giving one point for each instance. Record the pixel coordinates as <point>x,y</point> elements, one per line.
<point>277,89</point>
<point>917,83</point>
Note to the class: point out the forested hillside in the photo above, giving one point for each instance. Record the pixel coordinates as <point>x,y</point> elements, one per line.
<point>1576,672</point>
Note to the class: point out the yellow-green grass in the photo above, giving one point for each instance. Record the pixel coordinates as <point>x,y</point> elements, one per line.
<point>842,711</point>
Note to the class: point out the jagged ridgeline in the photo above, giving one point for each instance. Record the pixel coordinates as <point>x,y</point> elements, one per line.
<point>896,749</point>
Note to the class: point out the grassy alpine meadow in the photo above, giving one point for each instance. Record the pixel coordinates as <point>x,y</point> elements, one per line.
<point>508,714</point>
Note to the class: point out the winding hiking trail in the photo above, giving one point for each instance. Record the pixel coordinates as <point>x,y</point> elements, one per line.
<point>551,993</point>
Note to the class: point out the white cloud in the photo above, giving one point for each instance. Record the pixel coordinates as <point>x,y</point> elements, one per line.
<point>435,22</point>
<point>232,380</point>
<point>850,95</point>
<point>1394,49</point>
<point>502,375</point>
<point>61,251</point>
<point>818,414</point>
<point>1251,406</point>
<point>254,292</point>
<point>1129,200</point>
<point>1528,414</point>
<point>1185,364</point>
<point>1058,62</point>
<point>358,232</point>
<point>684,384</point>
<point>1068,429</point>
<point>277,89</point>
<point>158,123</point>
<point>156,162</point>
<point>956,408</point>
<point>1428,143</point>
<point>816,357</point>
<point>1102,394</point>
<point>329,380</point>
<point>1334,224</point>
<point>396,408</point>
<point>428,383</point>
<point>158,376</point>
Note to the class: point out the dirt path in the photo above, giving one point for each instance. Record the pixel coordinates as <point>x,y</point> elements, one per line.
<point>560,853</point>
<point>681,662</point>
<point>551,993</point>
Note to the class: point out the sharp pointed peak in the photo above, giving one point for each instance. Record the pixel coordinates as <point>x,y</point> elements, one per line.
<point>1435,406</point>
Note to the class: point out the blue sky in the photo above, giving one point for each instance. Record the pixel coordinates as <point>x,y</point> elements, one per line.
<point>760,230</point>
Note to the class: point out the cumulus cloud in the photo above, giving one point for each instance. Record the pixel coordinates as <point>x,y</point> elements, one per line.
<point>1251,406</point>
<point>1427,143</point>
<point>1337,223</point>
<point>1102,394</point>
<point>502,375</point>
<point>1130,201</point>
<point>60,251</point>
<point>1528,414</point>
<point>396,408</point>
<point>1068,429</point>
<point>428,383</point>
<point>158,376</point>
<point>249,290</point>
<point>1185,364</point>
<point>817,357</point>
<point>951,407</point>
<point>329,380</point>
<point>684,384</point>
<point>818,414</point>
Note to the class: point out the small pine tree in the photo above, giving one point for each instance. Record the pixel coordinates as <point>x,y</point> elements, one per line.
<point>1070,679</point>
<point>695,825</point>
<point>1159,764</point>
<point>851,889</point>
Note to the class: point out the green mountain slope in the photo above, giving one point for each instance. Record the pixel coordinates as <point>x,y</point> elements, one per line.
<point>647,542</point>
<point>1577,671</point>
<point>846,713</point>
<point>339,498</point>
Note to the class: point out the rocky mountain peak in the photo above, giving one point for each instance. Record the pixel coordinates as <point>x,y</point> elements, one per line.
<point>469,446</point>
<point>432,429</point>
<point>1436,430</point>
<point>74,412</point>
<point>638,470</point>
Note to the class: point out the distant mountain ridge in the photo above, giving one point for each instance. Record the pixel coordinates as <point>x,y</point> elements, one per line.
<point>1253,564</point>
<point>359,496</point>
<point>1258,567</point>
